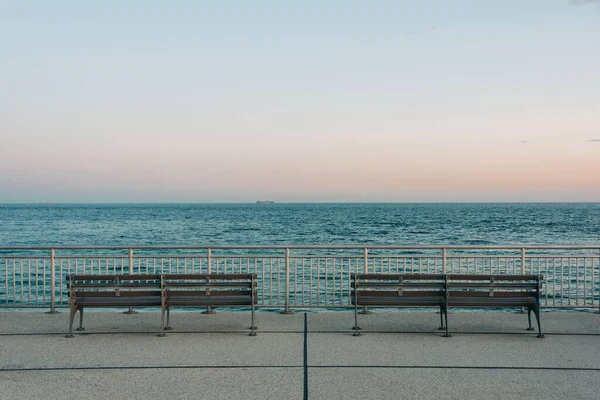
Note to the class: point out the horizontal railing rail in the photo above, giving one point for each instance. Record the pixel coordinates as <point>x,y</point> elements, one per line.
<point>304,276</point>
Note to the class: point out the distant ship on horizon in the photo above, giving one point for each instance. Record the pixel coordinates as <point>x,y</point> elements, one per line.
<point>265,202</point>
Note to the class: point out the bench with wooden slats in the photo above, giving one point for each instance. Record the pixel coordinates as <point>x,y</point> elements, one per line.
<point>399,290</point>
<point>214,290</point>
<point>446,291</point>
<point>164,291</point>
<point>111,291</point>
<point>497,291</point>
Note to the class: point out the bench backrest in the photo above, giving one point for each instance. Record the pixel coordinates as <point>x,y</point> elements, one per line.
<point>457,290</point>
<point>493,289</point>
<point>114,290</point>
<point>113,285</point>
<point>398,289</point>
<point>202,289</point>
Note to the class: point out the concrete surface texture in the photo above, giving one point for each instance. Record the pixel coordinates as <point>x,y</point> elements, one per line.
<point>400,354</point>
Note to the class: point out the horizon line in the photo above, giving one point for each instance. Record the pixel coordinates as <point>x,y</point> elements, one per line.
<point>306,202</point>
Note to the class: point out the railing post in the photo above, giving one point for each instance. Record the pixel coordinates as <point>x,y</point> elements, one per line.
<point>209,309</point>
<point>287,283</point>
<point>131,310</point>
<point>366,271</point>
<point>523,254</point>
<point>445,261</point>
<point>597,312</point>
<point>52,282</point>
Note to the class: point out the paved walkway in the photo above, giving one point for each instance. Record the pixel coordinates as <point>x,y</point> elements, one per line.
<point>315,355</point>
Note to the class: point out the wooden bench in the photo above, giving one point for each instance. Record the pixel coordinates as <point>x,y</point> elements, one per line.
<point>447,291</point>
<point>164,291</point>
<point>215,290</point>
<point>111,291</point>
<point>399,290</point>
<point>497,291</point>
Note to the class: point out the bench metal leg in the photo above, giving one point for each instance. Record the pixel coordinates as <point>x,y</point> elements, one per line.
<point>162,323</point>
<point>366,311</point>
<point>441,328</point>
<point>252,322</point>
<point>130,310</point>
<point>536,311</point>
<point>356,327</point>
<point>447,334</point>
<point>71,318</point>
<point>168,327</point>
<point>529,319</point>
<point>209,311</point>
<point>80,328</point>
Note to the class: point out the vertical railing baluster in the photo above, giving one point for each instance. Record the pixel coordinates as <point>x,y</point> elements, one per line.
<point>287,283</point>
<point>22,284</point>
<point>295,280</point>
<point>366,271</point>
<point>37,281</point>
<point>444,261</point>
<point>130,310</point>
<point>6,282</point>
<point>592,283</point>
<point>52,282</point>
<point>29,282</point>
<point>584,281</point>
<point>209,309</point>
<point>523,255</point>
<point>14,283</point>
<point>577,281</point>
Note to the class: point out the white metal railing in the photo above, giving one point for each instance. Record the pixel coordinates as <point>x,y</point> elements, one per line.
<point>297,276</point>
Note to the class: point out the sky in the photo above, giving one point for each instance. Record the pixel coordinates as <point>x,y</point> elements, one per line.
<point>311,101</point>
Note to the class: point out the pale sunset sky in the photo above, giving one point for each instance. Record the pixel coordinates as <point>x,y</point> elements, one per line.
<point>299,101</point>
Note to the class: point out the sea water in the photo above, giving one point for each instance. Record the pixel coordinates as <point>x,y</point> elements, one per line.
<point>329,224</point>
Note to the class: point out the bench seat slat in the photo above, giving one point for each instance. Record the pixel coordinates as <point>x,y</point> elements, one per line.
<point>480,277</point>
<point>208,301</point>
<point>362,285</point>
<point>175,293</point>
<point>114,286</point>
<point>398,301</point>
<point>490,302</point>
<point>121,293</point>
<point>452,285</point>
<point>211,277</point>
<point>116,301</point>
<point>113,277</point>
<point>398,276</point>
<point>169,284</point>
<point>405,293</point>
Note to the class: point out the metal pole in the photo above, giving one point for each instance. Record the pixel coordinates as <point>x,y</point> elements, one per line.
<point>597,312</point>
<point>445,268</point>
<point>209,309</point>
<point>445,261</point>
<point>287,283</point>
<point>52,282</point>
<point>522,272</point>
<point>131,310</point>
<point>366,271</point>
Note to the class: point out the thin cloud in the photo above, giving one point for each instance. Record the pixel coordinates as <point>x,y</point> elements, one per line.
<point>581,2</point>
<point>595,140</point>
<point>523,141</point>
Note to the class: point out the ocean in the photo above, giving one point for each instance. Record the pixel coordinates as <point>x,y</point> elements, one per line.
<point>342,223</point>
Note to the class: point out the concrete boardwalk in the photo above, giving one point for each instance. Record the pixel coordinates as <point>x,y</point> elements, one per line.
<point>400,354</point>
